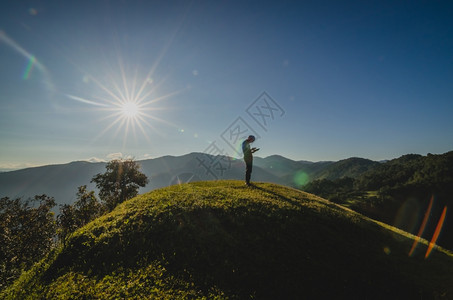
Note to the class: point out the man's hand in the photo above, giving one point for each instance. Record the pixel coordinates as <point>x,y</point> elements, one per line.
<point>255,149</point>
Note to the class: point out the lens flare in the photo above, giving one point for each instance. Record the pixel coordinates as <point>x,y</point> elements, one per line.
<point>437,232</point>
<point>29,68</point>
<point>128,96</point>
<point>80,99</point>
<point>407,215</point>
<point>422,227</point>
<point>32,61</point>
<point>128,102</point>
<point>301,178</point>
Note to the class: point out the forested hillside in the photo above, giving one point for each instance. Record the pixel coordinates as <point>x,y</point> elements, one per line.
<point>399,192</point>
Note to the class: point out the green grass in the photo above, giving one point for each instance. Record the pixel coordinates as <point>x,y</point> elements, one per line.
<point>222,240</point>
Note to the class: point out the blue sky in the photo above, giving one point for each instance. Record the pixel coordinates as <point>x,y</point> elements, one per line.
<point>371,79</point>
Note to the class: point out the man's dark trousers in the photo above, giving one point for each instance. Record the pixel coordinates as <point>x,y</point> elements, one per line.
<point>248,169</point>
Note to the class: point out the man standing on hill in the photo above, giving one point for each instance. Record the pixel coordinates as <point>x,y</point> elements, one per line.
<point>248,157</point>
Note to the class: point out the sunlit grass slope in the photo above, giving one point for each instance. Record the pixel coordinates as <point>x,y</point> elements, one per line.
<point>222,239</point>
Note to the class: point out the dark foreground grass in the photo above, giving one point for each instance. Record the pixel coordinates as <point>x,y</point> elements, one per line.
<point>223,240</point>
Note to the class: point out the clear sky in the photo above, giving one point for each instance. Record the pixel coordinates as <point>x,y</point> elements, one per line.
<point>88,80</point>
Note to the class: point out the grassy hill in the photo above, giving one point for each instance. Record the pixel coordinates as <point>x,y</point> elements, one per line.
<point>221,240</point>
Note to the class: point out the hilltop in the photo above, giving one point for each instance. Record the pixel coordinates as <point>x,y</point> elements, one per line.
<point>220,239</point>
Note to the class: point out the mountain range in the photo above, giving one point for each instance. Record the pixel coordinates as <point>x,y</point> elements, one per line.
<point>61,181</point>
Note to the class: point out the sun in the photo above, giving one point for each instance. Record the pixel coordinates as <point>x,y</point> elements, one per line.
<point>130,102</point>
<point>130,110</point>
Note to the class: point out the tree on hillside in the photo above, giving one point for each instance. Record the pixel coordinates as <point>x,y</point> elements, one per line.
<point>27,231</point>
<point>84,210</point>
<point>120,182</point>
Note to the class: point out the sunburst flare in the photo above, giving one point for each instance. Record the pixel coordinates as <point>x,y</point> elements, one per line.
<point>130,103</point>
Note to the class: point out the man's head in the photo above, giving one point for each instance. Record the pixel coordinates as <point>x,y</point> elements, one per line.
<point>251,139</point>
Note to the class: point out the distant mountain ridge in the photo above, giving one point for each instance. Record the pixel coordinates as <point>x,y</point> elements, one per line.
<point>351,167</point>
<point>61,181</point>
<point>53,180</point>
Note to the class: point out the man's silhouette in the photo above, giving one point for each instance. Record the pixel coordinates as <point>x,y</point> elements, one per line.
<point>248,157</point>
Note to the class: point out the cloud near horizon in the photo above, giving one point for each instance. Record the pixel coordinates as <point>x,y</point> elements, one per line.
<point>95,160</point>
<point>117,155</point>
